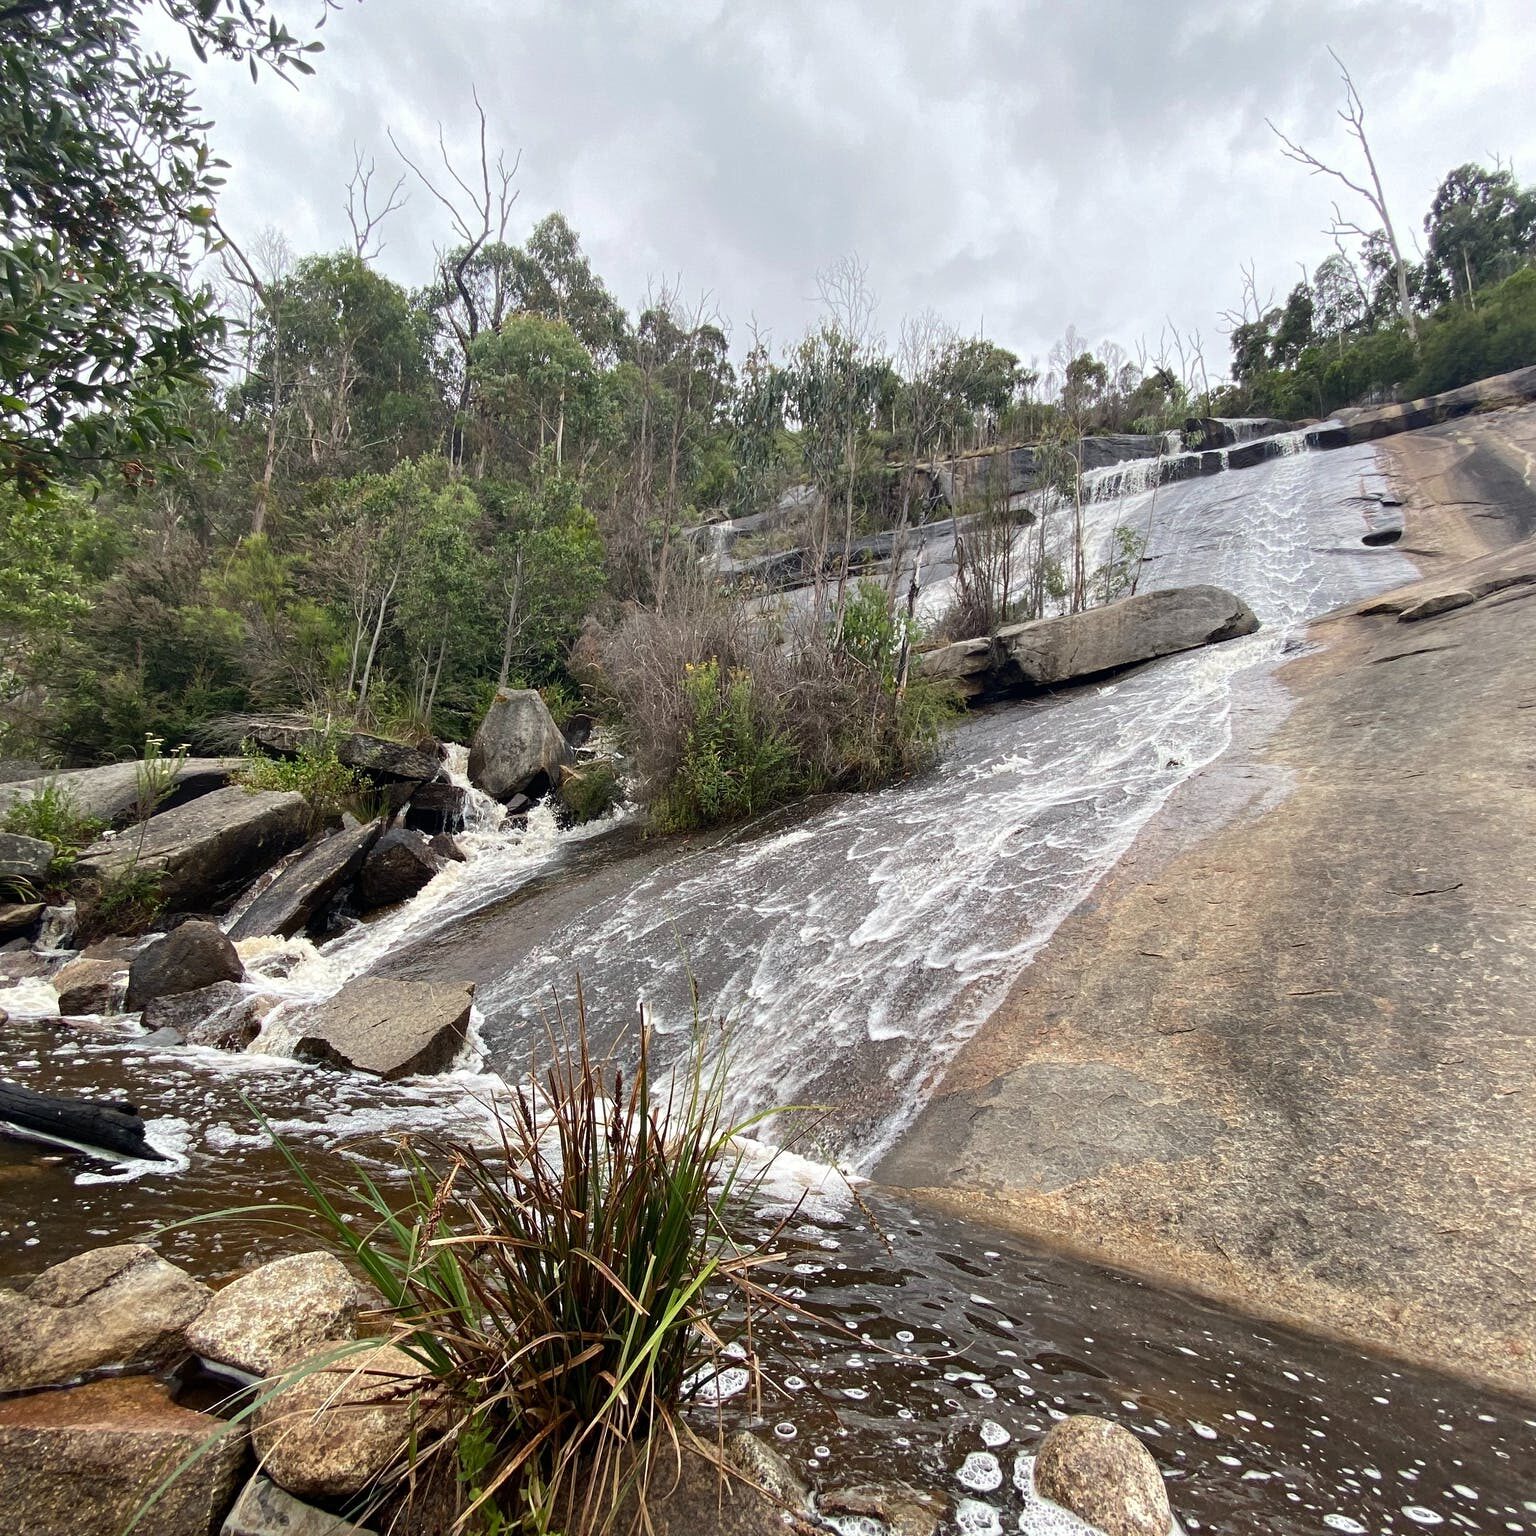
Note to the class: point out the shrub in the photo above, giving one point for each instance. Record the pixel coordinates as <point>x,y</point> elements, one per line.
<point>317,773</point>
<point>563,1291</point>
<point>590,792</point>
<point>53,815</point>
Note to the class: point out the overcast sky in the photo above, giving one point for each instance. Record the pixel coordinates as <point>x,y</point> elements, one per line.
<point>1019,167</point>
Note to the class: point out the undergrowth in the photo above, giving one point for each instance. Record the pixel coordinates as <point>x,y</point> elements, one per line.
<point>328,785</point>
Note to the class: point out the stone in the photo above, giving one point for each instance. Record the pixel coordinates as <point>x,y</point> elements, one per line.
<point>264,1509</point>
<point>899,1509</point>
<point>283,1310</point>
<point>25,858</point>
<point>165,1035</point>
<point>84,1462</point>
<point>761,1464</point>
<point>299,892</point>
<point>58,929</point>
<point>437,807</point>
<point>190,958</point>
<point>111,794</point>
<point>1050,652</point>
<point>335,1429</point>
<point>444,846</point>
<point>1436,603</point>
<point>1104,1475</point>
<point>374,756</point>
<point>400,863</point>
<point>19,917</point>
<point>206,851</point>
<point>688,1494</point>
<point>518,747</point>
<point>120,1306</point>
<point>221,1015</point>
<point>233,1028</point>
<point>391,1028</point>
<point>90,986</point>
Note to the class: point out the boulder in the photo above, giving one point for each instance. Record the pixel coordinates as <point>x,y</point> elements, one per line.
<point>84,1462</point>
<point>391,1028</point>
<point>111,794</point>
<point>897,1509</point>
<point>120,1306</point>
<point>90,986</point>
<point>264,1509</point>
<point>224,1016</point>
<point>437,807</point>
<point>1104,1475</point>
<point>333,1430</point>
<point>283,1310</point>
<point>399,864</point>
<point>25,858</point>
<point>18,917</point>
<point>206,851</point>
<point>518,746</point>
<point>1049,652</point>
<point>300,891</point>
<point>190,958</point>
<point>374,756</point>
<point>761,1464</point>
<point>446,848</point>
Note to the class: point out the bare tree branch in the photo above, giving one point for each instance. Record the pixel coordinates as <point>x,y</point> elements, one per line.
<point>363,219</point>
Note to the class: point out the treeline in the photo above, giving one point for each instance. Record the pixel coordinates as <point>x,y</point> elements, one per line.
<point>1341,337</point>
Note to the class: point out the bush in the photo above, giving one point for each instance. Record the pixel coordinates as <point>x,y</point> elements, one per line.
<point>563,1290</point>
<point>318,774</point>
<point>53,815</point>
<point>590,792</point>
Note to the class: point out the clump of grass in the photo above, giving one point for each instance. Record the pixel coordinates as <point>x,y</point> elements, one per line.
<point>561,1288</point>
<point>329,785</point>
<point>590,792</point>
<point>54,816</point>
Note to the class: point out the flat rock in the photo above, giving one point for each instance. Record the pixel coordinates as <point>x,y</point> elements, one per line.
<point>1436,603</point>
<point>298,893</point>
<point>90,986</point>
<point>24,858</point>
<point>392,1028</point>
<point>1104,1475</point>
<point>264,1509</point>
<point>190,958</point>
<point>518,747</point>
<point>111,794</point>
<point>207,850</point>
<point>84,1462</point>
<point>399,864</point>
<point>118,1306</point>
<point>18,917</point>
<point>334,1430</point>
<point>284,1309</point>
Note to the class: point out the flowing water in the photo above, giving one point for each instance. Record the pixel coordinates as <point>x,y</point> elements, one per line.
<point>853,945</point>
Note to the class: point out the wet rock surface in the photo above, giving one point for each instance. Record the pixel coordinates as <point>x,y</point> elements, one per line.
<point>391,1028</point>
<point>518,747</point>
<point>90,986</point>
<point>1104,1475</point>
<point>301,890</point>
<point>398,865</point>
<point>83,1462</point>
<point>190,958</point>
<point>111,794</point>
<point>264,1509</point>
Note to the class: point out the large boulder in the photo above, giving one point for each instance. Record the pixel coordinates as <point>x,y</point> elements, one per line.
<point>190,957</point>
<point>379,759</point>
<point>25,858</point>
<point>85,1462</point>
<point>223,1017</point>
<point>205,851</point>
<point>391,1028</point>
<point>1104,1475</point>
<point>300,891</point>
<point>287,1308</point>
<point>397,866</point>
<point>89,986</point>
<point>437,807</point>
<point>518,746</point>
<point>120,1306</point>
<point>264,1509</point>
<point>111,794</point>
<point>335,1428</point>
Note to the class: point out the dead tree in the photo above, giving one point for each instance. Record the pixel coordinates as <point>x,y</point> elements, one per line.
<point>1352,114</point>
<point>361,216</point>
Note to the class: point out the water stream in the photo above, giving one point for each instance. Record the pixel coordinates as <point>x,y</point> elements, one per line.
<point>852,945</point>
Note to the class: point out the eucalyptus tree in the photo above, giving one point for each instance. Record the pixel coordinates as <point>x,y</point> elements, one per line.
<point>107,189</point>
<point>1481,226</point>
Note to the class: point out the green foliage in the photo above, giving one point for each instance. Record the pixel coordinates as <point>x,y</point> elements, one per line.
<point>52,815</point>
<point>1463,343</point>
<point>590,792</point>
<point>562,1291</point>
<point>1119,574</point>
<point>873,634</point>
<point>106,188</point>
<point>737,758</point>
<point>124,903</point>
<point>328,785</point>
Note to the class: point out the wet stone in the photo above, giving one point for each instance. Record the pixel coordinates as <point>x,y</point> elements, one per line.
<point>1104,1475</point>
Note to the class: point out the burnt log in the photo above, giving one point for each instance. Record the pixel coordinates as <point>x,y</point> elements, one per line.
<point>104,1129</point>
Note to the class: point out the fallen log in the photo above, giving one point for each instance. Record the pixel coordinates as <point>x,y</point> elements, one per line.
<point>100,1129</point>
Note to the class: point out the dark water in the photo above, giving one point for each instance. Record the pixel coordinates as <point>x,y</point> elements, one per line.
<point>939,1360</point>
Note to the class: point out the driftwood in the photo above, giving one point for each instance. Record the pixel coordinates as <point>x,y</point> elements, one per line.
<point>105,1129</point>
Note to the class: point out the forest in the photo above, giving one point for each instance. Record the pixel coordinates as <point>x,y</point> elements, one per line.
<point>238,479</point>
